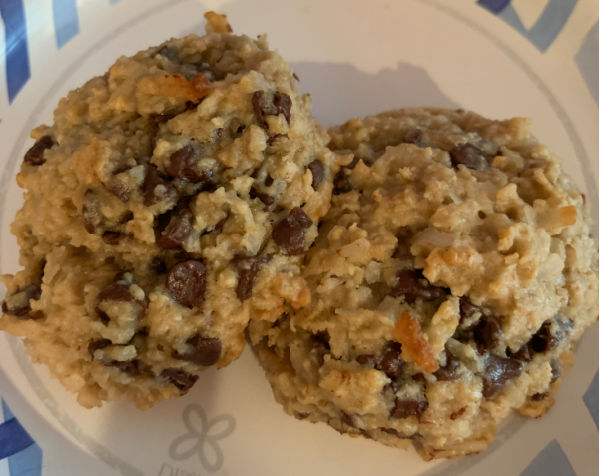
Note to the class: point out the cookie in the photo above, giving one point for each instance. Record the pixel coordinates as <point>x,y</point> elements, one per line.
<point>171,199</point>
<point>450,280</point>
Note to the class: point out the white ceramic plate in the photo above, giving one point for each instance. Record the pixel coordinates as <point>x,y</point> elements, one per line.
<point>497,57</point>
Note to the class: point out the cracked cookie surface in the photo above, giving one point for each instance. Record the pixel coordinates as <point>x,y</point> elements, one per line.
<point>170,200</point>
<point>450,280</point>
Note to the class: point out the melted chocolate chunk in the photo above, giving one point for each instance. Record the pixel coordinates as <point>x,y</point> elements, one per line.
<point>111,237</point>
<point>412,285</point>
<point>267,199</point>
<point>467,308</point>
<point>450,371</point>
<point>346,418</point>
<point>458,413</point>
<point>280,104</point>
<point>158,265</point>
<point>390,361</point>
<point>155,187</point>
<point>317,169</point>
<point>132,367</point>
<point>289,232</point>
<point>97,344</point>
<point>180,378</point>
<point>488,333</point>
<point>248,268</point>
<point>366,359</point>
<point>468,155</point>
<point>271,138</point>
<point>170,53</point>
<point>236,127</point>
<point>35,155</point>
<point>538,397</point>
<point>182,165</point>
<point>186,282</point>
<point>18,303</point>
<point>283,104</point>
<point>119,292</point>
<point>498,371</point>
<point>205,350</point>
<point>543,340</point>
<point>406,407</point>
<point>556,367</point>
<point>523,354</point>
<point>414,137</point>
<point>177,230</point>
<point>119,189</point>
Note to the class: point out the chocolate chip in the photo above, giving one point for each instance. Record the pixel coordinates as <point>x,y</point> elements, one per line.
<point>346,419</point>
<point>390,362</point>
<point>182,165</point>
<point>158,265</point>
<point>295,76</point>
<point>366,359</point>
<point>457,413</point>
<point>341,183</point>
<point>205,350</point>
<point>111,237</point>
<point>267,199</point>
<point>412,285</point>
<point>260,108</point>
<point>180,378</point>
<point>247,270</point>
<point>94,345</point>
<point>523,354</point>
<point>155,188</point>
<point>414,137</point>
<point>468,155</point>
<point>498,371</point>
<point>35,155</point>
<point>236,127</point>
<point>127,216</point>
<point>132,367</point>
<point>450,371</point>
<point>467,308</point>
<point>177,230</point>
<point>268,181</point>
<point>18,303</point>
<point>317,170</point>
<point>406,407</point>
<point>538,397</point>
<point>289,232</point>
<point>543,340</point>
<point>281,104</point>
<point>119,292</point>
<point>488,333</point>
<point>556,367</point>
<point>186,282</point>
<point>119,189</point>
<point>170,53</point>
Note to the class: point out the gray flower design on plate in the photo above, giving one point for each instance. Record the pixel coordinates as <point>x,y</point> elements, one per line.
<point>202,438</point>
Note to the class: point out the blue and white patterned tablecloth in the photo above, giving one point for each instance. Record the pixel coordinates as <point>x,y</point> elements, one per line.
<point>541,22</point>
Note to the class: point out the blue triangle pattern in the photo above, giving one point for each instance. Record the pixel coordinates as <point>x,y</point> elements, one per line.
<point>551,461</point>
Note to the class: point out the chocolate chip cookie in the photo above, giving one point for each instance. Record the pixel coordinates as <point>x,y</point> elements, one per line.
<point>450,280</point>
<point>171,200</point>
